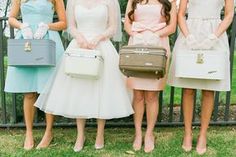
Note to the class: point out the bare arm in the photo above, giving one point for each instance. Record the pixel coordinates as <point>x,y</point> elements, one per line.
<point>171,27</point>
<point>112,21</point>
<point>60,10</point>
<point>15,9</point>
<point>128,22</point>
<point>228,17</point>
<point>182,19</point>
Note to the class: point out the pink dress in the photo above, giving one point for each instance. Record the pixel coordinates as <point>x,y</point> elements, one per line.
<point>148,20</point>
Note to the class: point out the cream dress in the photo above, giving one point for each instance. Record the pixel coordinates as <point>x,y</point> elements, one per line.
<point>203,19</point>
<point>105,98</point>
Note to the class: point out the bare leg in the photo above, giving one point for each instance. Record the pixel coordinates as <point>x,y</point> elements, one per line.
<point>151,99</point>
<point>188,98</point>
<point>29,110</point>
<point>80,135</point>
<point>207,108</point>
<point>47,137</point>
<point>99,144</point>
<point>138,106</point>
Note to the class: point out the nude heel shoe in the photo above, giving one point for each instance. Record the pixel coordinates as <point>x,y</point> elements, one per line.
<point>78,149</point>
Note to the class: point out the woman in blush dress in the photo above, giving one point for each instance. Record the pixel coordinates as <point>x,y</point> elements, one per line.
<point>202,30</point>
<point>37,23</point>
<point>148,22</point>
<point>91,23</point>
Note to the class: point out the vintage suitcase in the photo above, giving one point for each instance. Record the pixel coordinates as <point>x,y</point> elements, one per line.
<point>30,52</point>
<point>201,64</point>
<point>83,63</point>
<point>143,61</point>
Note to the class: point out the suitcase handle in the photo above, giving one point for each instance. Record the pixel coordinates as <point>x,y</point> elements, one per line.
<point>141,50</point>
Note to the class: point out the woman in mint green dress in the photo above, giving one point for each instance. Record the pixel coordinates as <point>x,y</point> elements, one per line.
<point>37,23</point>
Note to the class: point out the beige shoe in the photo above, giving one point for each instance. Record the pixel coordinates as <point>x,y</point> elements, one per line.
<point>80,147</point>
<point>44,144</point>
<point>149,146</point>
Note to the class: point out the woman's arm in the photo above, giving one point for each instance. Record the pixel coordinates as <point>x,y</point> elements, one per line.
<point>112,21</point>
<point>60,10</point>
<point>228,17</point>
<point>128,22</point>
<point>72,26</point>
<point>171,27</point>
<point>112,25</point>
<point>15,9</point>
<point>182,19</point>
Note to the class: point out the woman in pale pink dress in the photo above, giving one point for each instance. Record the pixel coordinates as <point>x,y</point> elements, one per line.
<point>148,22</point>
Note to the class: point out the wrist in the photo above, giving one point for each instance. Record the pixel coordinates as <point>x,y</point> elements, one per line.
<point>133,33</point>
<point>157,33</point>
<point>24,25</point>
<point>101,37</point>
<point>44,25</point>
<point>212,37</point>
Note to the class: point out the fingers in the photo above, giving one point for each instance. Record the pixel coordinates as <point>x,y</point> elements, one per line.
<point>27,33</point>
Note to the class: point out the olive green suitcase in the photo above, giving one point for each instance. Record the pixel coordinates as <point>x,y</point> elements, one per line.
<point>143,61</point>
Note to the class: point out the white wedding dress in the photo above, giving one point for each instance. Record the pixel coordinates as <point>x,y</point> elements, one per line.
<point>105,98</point>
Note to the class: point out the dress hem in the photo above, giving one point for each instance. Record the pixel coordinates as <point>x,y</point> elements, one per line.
<point>182,86</point>
<point>84,117</point>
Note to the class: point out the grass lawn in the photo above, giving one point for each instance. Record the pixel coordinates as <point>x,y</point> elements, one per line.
<point>221,143</point>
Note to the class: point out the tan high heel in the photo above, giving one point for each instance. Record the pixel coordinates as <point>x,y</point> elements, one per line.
<point>187,148</point>
<point>137,147</point>
<point>78,149</point>
<point>200,151</point>
<point>41,146</point>
<point>152,146</point>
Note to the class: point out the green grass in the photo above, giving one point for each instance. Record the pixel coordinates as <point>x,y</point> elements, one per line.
<point>221,143</point>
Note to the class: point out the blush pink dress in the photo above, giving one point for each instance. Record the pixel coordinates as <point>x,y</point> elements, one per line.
<point>148,20</point>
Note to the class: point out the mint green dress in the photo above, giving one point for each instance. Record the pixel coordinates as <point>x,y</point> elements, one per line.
<point>33,79</point>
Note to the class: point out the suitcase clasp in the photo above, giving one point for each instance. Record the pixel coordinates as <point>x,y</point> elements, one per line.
<point>200,58</point>
<point>28,47</point>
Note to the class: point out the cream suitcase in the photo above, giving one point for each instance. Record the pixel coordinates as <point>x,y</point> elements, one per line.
<point>83,63</point>
<point>201,64</point>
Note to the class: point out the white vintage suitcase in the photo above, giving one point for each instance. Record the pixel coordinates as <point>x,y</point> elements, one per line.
<point>83,63</point>
<point>201,64</point>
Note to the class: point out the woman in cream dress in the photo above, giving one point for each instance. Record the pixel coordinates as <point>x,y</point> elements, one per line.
<point>91,23</point>
<point>202,30</point>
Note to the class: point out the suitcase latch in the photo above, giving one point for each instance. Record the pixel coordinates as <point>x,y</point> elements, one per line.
<point>200,58</point>
<point>28,47</point>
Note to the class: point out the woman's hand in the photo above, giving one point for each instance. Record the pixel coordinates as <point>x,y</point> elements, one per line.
<point>209,42</point>
<point>41,31</point>
<point>191,42</point>
<point>134,33</point>
<point>81,41</point>
<point>94,42</point>
<point>26,31</point>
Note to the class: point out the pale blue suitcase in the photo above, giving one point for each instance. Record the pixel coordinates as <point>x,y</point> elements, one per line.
<point>31,52</point>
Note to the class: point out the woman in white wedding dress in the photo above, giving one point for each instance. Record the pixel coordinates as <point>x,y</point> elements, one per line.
<point>91,23</point>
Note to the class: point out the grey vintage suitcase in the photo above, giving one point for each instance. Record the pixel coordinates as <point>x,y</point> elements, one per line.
<point>30,52</point>
<point>143,61</point>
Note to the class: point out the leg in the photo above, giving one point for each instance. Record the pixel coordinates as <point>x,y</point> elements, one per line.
<point>47,137</point>
<point>99,144</point>
<point>80,135</point>
<point>207,108</point>
<point>151,99</point>
<point>138,106</point>
<point>188,97</point>
<point>29,110</point>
